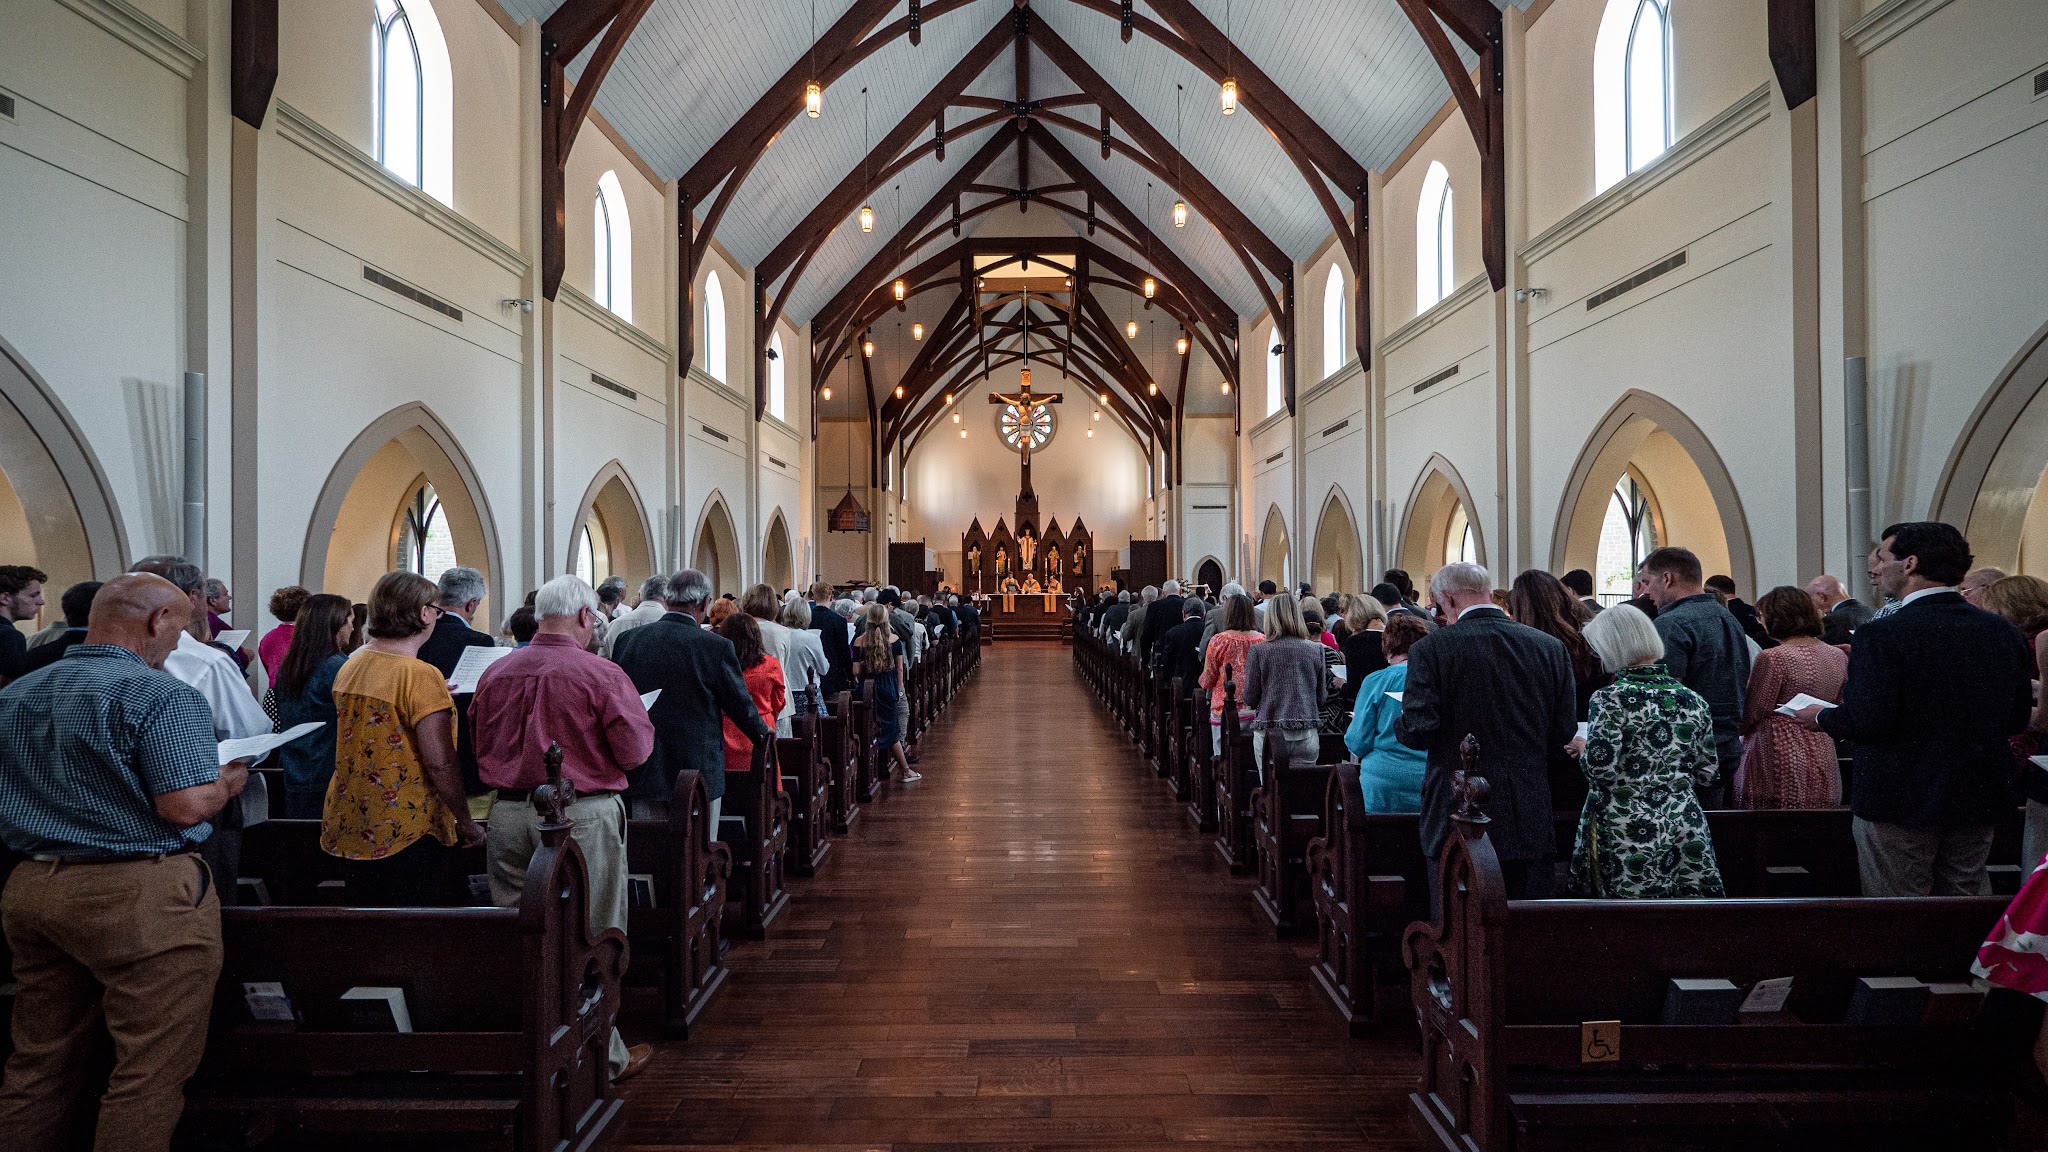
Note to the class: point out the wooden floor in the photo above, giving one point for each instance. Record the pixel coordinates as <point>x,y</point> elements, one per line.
<point>1028,950</point>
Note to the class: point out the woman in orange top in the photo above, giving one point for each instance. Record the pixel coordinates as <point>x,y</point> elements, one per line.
<point>763,674</point>
<point>1227,650</point>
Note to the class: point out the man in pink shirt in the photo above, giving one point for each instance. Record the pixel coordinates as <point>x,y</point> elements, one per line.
<point>557,691</point>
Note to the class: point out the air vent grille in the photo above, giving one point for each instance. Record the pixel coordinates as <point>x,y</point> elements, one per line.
<point>1450,373</point>
<point>614,386</point>
<point>1636,281</point>
<point>777,463</point>
<point>1208,507</point>
<point>394,284</point>
<point>7,103</point>
<point>2040,90</point>
<point>715,434</point>
<point>1339,426</point>
<point>1275,457</point>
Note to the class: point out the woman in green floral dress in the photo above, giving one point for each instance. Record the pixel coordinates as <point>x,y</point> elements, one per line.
<point>1642,835</point>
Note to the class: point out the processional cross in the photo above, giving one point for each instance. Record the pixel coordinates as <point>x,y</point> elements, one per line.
<point>1028,405</point>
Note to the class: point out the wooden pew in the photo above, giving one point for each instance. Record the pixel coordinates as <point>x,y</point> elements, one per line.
<point>282,861</point>
<point>1504,992</point>
<point>1201,765</point>
<point>866,758</point>
<point>1236,775</point>
<point>678,940</point>
<point>840,749</point>
<point>754,824</point>
<point>1287,815</point>
<point>1186,723</point>
<point>512,1011</point>
<point>808,783</point>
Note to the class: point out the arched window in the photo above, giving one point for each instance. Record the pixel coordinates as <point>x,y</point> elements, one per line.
<point>593,553</point>
<point>412,97</point>
<point>1628,534</point>
<point>1276,372</point>
<point>1333,322</point>
<point>1632,105</point>
<point>1461,543</point>
<point>424,545</point>
<point>613,242</point>
<point>778,392</point>
<point>1433,264</point>
<point>714,327</point>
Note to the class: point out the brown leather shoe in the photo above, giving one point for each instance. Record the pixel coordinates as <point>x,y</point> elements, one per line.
<point>638,1057</point>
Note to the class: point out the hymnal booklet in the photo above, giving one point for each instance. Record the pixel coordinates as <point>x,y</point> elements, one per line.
<point>254,748</point>
<point>1791,707</point>
<point>470,668</point>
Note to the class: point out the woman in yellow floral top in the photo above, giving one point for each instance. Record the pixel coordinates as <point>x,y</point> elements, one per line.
<point>396,802</point>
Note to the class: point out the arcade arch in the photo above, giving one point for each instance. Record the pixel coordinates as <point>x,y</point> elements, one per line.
<point>717,552</point>
<point>612,537</point>
<point>778,565</point>
<point>1995,483</point>
<point>1647,477</point>
<point>1442,526</point>
<point>53,495</point>
<point>1338,564</point>
<point>1275,562</point>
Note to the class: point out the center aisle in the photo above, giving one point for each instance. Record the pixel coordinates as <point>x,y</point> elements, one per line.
<point>1028,949</point>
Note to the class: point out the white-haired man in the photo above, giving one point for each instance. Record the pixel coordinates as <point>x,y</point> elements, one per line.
<point>650,608</point>
<point>557,691</point>
<point>1511,686</point>
<point>1163,616</point>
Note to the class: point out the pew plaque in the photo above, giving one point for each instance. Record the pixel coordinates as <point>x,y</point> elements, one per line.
<point>1599,1041</point>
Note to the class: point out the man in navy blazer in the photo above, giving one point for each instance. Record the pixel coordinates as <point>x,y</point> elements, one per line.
<point>831,628</point>
<point>1934,690</point>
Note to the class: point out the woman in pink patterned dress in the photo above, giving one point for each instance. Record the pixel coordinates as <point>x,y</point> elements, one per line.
<point>1783,764</point>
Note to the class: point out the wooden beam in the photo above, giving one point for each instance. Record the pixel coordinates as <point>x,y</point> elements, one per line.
<point>1478,24</point>
<point>253,77</point>
<point>1795,50</point>
<point>1361,296</point>
<point>566,34</point>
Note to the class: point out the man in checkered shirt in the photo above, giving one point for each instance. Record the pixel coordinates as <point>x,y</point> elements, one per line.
<point>108,776</point>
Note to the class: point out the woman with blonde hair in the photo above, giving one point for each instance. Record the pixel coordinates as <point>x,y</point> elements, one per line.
<point>1284,685</point>
<point>1223,659</point>
<point>878,659</point>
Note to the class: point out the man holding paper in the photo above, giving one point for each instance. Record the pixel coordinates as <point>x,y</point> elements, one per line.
<point>461,594</point>
<point>1934,690</point>
<point>557,691</point>
<point>108,776</point>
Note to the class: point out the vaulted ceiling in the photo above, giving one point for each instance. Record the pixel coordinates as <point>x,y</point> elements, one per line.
<point>709,93</point>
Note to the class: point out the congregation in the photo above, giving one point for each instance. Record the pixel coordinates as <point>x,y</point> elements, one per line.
<point>417,735</point>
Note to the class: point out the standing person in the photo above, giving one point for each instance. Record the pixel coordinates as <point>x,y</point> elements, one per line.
<point>1785,765</point>
<point>701,687</point>
<point>1979,582</point>
<point>1934,690</point>
<point>1507,684</point>
<point>766,682</point>
<point>1134,624</point>
<point>1580,583</point>
<point>1223,659</point>
<point>1285,684</point>
<point>831,630</point>
<point>284,608</point>
<point>460,594</point>
<point>1363,645</point>
<point>2023,602</point>
<point>1704,649</point>
<point>108,776</point>
<point>759,602</point>
<point>556,691</point>
<point>1389,772</point>
<point>1178,653</point>
<point>1542,601</point>
<point>807,666</point>
<point>305,694</point>
<point>219,602</point>
<point>1642,835</point>
<point>77,605</point>
<point>647,611</point>
<point>21,598</point>
<point>970,619</point>
<point>611,597</point>
<point>1163,615</point>
<point>396,803</point>
<point>1841,614</point>
<point>880,660</point>
<point>1723,588</point>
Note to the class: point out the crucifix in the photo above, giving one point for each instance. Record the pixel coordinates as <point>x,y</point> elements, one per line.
<point>1028,406</point>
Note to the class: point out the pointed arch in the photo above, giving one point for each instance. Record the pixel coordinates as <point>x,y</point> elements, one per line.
<point>353,536</point>
<point>778,557</point>
<point>612,500</point>
<point>1437,503</point>
<point>1694,499</point>
<point>1994,482</point>
<point>1209,572</point>
<point>1337,562</point>
<point>1276,559</point>
<point>715,548</point>
<point>53,493</point>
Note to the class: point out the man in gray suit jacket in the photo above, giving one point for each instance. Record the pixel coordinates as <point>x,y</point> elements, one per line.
<point>699,676</point>
<point>1511,686</point>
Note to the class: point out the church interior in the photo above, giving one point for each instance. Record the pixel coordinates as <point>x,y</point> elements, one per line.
<point>1018,301</point>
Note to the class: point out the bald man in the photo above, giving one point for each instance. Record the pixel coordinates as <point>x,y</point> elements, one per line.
<point>1840,613</point>
<point>108,776</point>
<point>1977,583</point>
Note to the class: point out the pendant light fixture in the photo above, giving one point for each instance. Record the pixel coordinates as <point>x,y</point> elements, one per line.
<point>1098,413</point>
<point>949,398</point>
<point>1131,330</point>
<point>1180,206</point>
<point>917,331</point>
<point>814,94</point>
<point>1229,93</point>
<point>825,392</point>
<point>899,391</point>
<point>1151,387</point>
<point>1151,287</point>
<point>901,289</point>
<point>867,211</point>
<point>867,345</point>
<point>1180,345</point>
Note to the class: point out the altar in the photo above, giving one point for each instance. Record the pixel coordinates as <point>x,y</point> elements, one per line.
<point>1019,616</point>
<point>1028,569</point>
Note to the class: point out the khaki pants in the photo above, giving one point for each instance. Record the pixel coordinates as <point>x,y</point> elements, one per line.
<point>1898,860</point>
<point>600,831</point>
<point>138,942</point>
